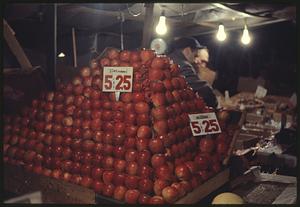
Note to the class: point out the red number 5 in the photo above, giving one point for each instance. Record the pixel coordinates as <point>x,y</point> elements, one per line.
<point>126,82</point>
<point>213,124</point>
<point>108,82</point>
<point>196,127</point>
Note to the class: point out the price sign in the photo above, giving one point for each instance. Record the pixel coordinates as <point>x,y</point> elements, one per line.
<point>117,79</point>
<point>206,123</point>
<point>260,92</point>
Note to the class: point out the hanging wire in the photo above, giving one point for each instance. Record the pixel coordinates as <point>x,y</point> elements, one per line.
<point>132,13</point>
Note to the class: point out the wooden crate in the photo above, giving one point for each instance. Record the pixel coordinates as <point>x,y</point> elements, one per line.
<point>20,182</point>
<point>206,188</point>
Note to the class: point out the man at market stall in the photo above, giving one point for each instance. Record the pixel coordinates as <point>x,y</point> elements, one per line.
<point>201,61</point>
<point>183,51</point>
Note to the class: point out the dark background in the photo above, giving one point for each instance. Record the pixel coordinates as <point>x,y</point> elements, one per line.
<point>271,54</point>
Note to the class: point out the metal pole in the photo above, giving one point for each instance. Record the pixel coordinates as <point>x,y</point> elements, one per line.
<point>148,25</point>
<point>74,47</point>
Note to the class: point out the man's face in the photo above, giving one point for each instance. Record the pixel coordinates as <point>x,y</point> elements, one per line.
<point>202,57</point>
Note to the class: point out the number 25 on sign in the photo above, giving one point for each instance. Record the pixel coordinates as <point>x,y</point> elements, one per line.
<point>202,124</point>
<point>117,79</point>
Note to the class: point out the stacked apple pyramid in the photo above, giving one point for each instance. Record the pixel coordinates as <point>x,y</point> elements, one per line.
<point>139,149</point>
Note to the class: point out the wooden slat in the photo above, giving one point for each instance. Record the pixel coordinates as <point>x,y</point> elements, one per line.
<point>206,188</point>
<point>15,47</point>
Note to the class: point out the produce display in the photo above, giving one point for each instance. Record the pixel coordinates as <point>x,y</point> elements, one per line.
<point>138,149</point>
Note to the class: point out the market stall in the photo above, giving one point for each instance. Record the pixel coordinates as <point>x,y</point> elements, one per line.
<point>127,127</point>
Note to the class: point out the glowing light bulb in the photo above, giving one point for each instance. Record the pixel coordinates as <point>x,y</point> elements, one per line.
<point>161,27</point>
<point>221,35</point>
<point>61,55</point>
<point>245,38</point>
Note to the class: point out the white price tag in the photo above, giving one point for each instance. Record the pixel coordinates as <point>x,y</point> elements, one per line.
<point>206,123</point>
<point>117,79</point>
<point>260,92</point>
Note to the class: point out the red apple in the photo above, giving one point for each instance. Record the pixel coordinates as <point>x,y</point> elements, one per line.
<point>156,74</point>
<point>159,113</point>
<point>206,145</point>
<point>156,145</point>
<point>108,162</point>
<point>85,170</point>
<point>119,193</point>
<point>119,165</point>
<point>202,161</point>
<point>131,168</point>
<point>158,99</point>
<point>192,166</point>
<point>107,177</point>
<point>204,174</point>
<point>142,144</point>
<point>164,173</point>
<point>144,132</point>
<point>156,200</point>
<point>130,143</point>
<point>157,86</point>
<point>143,119</point>
<point>182,172</point>
<point>98,186</point>
<point>159,185</point>
<point>131,182</point>
<point>141,108</point>
<point>131,131</point>
<point>144,157</point>
<point>119,152</point>
<point>158,160</point>
<point>145,186</point>
<point>86,181</point>
<point>144,199</point>
<point>131,155</point>
<point>131,196</point>
<point>145,171</point>
<point>119,179</point>
<point>181,190</point>
<point>187,186</point>
<point>160,127</point>
<point>170,194</point>
<point>130,118</point>
<point>56,173</point>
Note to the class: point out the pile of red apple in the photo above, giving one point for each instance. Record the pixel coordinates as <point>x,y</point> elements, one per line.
<point>139,149</point>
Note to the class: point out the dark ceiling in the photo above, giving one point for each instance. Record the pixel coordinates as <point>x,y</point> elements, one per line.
<point>183,19</point>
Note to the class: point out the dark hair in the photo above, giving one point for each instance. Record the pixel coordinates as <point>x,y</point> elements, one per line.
<point>185,42</point>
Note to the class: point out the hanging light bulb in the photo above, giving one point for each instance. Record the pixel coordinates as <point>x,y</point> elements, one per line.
<point>245,38</point>
<point>61,55</point>
<point>161,27</point>
<point>221,35</point>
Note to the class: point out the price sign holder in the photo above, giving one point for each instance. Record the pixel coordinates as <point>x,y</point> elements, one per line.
<point>117,79</point>
<point>205,123</point>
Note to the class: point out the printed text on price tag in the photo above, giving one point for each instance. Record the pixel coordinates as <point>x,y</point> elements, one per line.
<point>202,124</point>
<point>117,79</point>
